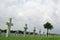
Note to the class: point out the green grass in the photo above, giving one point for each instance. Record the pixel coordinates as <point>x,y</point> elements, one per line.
<point>30,38</point>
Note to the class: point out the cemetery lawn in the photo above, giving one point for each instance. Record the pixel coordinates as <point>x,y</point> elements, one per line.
<point>30,38</point>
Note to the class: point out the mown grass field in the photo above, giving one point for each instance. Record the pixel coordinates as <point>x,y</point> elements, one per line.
<point>30,38</point>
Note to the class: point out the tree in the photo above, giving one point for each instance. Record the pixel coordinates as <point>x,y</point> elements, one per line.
<point>9,24</point>
<point>48,26</point>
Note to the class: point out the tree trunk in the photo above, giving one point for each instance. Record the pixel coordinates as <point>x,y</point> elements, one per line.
<point>47,32</point>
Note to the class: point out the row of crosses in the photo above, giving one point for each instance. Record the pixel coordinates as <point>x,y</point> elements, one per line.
<point>9,24</point>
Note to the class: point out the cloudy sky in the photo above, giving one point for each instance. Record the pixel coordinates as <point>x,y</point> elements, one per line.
<point>32,12</point>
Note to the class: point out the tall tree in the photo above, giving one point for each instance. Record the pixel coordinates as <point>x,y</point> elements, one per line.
<point>9,24</point>
<point>48,26</point>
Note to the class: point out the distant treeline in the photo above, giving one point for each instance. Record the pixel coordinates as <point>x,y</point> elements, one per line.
<point>17,32</point>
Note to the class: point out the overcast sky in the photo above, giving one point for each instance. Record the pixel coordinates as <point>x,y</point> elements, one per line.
<point>32,12</point>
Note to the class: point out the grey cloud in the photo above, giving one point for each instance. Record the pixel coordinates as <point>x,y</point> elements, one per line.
<point>56,1</point>
<point>33,14</point>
